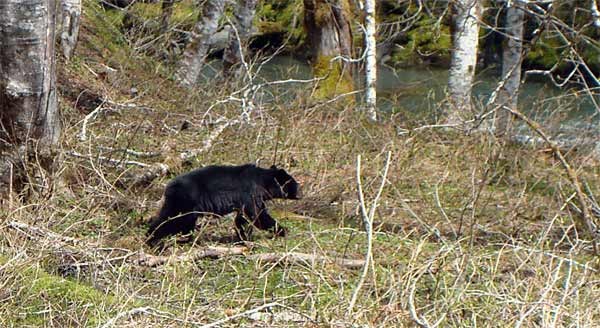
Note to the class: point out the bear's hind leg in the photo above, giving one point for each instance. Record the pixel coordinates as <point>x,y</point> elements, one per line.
<point>243,229</point>
<point>174,217</point>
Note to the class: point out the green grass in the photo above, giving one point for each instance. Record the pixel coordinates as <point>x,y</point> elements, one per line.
<point>40,297</point>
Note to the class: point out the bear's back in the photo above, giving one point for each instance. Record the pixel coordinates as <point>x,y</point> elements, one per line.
<point>218,179</point>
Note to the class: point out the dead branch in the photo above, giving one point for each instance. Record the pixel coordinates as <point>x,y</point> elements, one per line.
<point>155,171</point>
<point>213,252</point>
<point>88,117</point>
<point>586,217</point>
<point>161,169</point>
<point>129,313</point>
<point>218,323</point>
<point>131,152</point>
<point>295,257</point>
<point>38,233</point>
<point>208,142</point>
<point>116,162</point>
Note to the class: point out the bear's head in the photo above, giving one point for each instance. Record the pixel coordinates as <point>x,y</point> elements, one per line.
<point>286,187</point>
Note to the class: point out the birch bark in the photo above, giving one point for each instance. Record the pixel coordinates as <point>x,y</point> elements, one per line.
<point>71,13</point>
<point>29,118</point>
<point>195,53</point>
<point>371,59</point>
<point>465,38</point>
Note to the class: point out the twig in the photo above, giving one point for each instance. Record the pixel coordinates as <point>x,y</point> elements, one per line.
<point>134,311</point>
<point>368,222</point>
<point>239,315</point>
<point>88,117</point>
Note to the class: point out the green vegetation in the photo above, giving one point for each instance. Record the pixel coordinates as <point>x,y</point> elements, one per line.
<point>428,42</point>
<point>336,76</point>
<point>282,17</point>
<point>37,297</point>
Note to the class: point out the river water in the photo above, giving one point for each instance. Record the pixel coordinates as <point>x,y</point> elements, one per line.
<point>567,112</point>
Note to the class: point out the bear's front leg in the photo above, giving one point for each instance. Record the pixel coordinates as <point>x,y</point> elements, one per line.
<point>266,222</point>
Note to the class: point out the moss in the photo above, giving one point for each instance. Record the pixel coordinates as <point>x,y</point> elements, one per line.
<point>184,15</point>
<point>428,41</point>
<point>104,32</point>
<point>65,299</point>
<point>337,80</point>
<point>282,17</point>
<point>544,53</point>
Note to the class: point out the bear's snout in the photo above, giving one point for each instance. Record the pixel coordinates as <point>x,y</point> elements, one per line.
<point>298,194</point>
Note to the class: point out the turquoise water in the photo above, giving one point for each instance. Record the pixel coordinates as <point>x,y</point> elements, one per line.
<point>421,89</point>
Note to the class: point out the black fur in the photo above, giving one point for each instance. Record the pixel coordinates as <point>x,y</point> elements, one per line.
<point>221,190</point>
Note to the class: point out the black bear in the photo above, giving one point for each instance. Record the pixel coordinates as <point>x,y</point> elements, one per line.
<point>221,190</point>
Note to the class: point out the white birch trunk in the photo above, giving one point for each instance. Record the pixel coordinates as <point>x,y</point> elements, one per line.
<point>465,39</point>
<point>239,35</point>
<point>195,53</point>
<point>371,59</point>
<point>71,13</point>
<point>28,106</point>
<point>508,95</point>
<point>595,13</point>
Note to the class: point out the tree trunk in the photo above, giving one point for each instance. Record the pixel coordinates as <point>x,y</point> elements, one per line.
<point>595,13</point>
<point>371,59</point>
<point>29,118</point>
<point>508,95</point>
<point>195,53</point>
<point>239,35</point>
<point>465,37</point>
<point>71,12</point>
<point>328,30</point>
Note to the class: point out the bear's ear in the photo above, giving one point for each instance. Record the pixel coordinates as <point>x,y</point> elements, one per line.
<point>273,167</point>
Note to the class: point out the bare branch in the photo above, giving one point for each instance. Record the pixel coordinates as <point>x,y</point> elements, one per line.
<point>368,222</point>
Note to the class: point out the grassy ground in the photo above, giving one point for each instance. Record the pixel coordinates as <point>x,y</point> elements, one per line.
<point>469,232</point>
